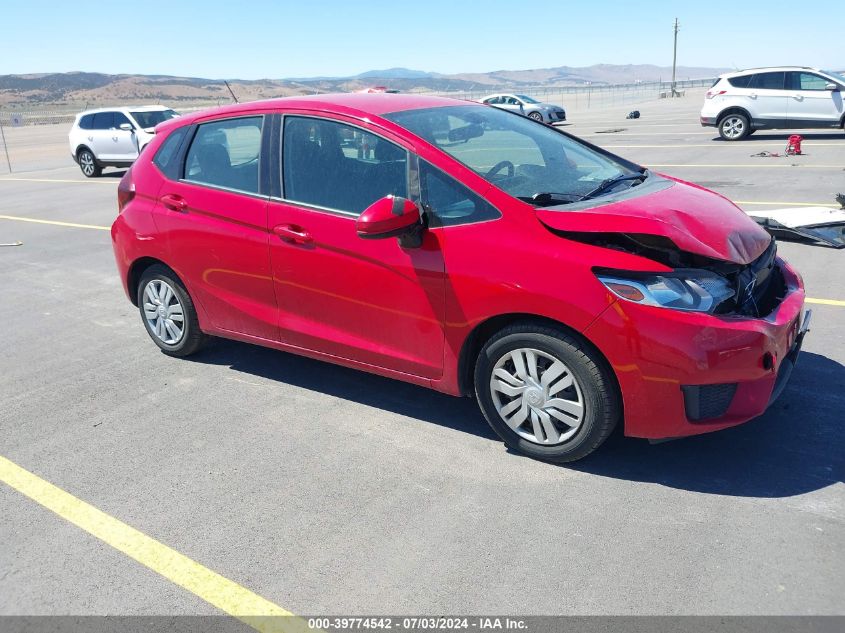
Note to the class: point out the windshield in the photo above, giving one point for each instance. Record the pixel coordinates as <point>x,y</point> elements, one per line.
<point>837,76</point>
<point>515,153</point>
<point>527,99</point>
<point>151,118</point>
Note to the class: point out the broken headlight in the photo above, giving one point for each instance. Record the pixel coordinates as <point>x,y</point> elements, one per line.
<point>690,290</point>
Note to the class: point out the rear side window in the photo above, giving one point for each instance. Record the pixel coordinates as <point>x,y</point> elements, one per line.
<point>767,81</point>
<point>448,202</point>
<point>87,122</point>
<point>165,158</point>
<point>225,154</point>
<point>740,82</point>
<point>336,166</point>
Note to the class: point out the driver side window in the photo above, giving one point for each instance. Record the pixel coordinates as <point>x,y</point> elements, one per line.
<point>448,202</point>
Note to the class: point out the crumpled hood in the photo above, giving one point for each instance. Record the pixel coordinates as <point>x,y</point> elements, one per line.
<point>694,219</point>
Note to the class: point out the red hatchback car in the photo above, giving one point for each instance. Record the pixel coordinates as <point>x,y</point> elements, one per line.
<point>467,249</point>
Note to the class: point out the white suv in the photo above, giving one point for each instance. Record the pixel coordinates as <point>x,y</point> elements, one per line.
<point>113,137</point>
<point>786,97</point>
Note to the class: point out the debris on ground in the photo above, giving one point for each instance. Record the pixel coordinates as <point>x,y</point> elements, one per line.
<point>823,225</point>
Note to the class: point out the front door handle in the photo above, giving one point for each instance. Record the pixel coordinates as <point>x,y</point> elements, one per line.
<point>173,202</point>
<point>293,234</point>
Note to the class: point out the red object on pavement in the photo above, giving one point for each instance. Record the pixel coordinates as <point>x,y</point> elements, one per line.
<point>793,145</point>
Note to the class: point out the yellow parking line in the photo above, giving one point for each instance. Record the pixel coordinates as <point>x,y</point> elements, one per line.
<point>81,182</point>
<point>226,595</point>
<point>56,223</point>
<point>826,302</point>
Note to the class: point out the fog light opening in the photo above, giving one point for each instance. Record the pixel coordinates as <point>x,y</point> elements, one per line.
<point>768,361</point>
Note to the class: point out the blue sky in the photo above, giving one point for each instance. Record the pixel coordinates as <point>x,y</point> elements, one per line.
<point>257,39</point>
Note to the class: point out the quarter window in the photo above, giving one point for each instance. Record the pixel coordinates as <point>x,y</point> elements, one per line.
<point>225,154</point>
<point>336,166</point>
<point>739,82</point>
<point>87,122</point>
<point>448,202</point>
<point>167,152</point>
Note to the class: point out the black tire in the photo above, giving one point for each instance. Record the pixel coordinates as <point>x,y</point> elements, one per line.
<point>536,116</point>
<point>88,163</point>
<point>192,339</point>
<point>734,127</point>
<point>592,377</point>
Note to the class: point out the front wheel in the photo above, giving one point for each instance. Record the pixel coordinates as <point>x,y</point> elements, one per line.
<point>734,127</point>
<point>546,393</point>
<point>536,116</point>
<point>168,312</point>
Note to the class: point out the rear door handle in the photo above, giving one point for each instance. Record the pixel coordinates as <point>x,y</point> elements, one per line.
<point>292,234</point>
<point>174,202</point>
<point>798,97</point>
<point>753,95</point>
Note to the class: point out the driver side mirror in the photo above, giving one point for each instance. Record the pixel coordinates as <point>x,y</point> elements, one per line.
<point>127,127</point>
<point>390,216</point>
<point>831,86</point>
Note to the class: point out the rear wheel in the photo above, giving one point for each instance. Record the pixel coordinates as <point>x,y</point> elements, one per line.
<point>546,393</point>
<point>734,127</point>
<point>168,312</point>
<point>88,164</point>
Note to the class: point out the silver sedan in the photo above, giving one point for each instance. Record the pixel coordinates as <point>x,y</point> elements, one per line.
<point>533,109</point>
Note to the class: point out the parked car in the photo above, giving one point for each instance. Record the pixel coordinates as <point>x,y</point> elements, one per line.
<point>565,288</point>
<point>786,97</point>
<point>113,137</point>
<point>533,109</point>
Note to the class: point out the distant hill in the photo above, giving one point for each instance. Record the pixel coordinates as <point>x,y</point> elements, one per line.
<point>46,90</point>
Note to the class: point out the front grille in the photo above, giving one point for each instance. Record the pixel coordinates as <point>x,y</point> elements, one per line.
<point>706,402</point>
<point>760,286</point>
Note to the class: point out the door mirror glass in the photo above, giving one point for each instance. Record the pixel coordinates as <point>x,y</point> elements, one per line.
<point>391,216</point>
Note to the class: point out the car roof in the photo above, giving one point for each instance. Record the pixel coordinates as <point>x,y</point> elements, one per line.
<point>359,105</point>
<point>143,108</point>
<point>737,73</point>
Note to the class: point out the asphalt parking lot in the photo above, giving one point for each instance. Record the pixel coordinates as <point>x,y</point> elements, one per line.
<point>329,491</point>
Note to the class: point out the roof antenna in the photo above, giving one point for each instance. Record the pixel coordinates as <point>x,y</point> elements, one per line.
<point>230,91</point>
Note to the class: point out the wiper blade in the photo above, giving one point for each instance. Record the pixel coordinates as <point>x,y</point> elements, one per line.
<point>547,198</point>
<point>610,182</point>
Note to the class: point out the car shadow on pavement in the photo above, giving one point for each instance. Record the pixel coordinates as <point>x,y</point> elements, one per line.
<point>398,397</point>
<point>797,446</point>
<point>809,136</point>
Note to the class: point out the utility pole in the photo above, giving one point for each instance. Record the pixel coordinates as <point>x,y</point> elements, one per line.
<point>675,60</point>
<point>5,147</point>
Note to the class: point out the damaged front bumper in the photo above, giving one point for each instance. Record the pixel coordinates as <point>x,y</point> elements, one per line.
<point>685,373</point>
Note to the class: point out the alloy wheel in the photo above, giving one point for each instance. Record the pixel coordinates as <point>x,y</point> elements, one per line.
<point>733,127</point>
<point>86,162</point>
<point>537,396</point>
<point>163,312</point>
